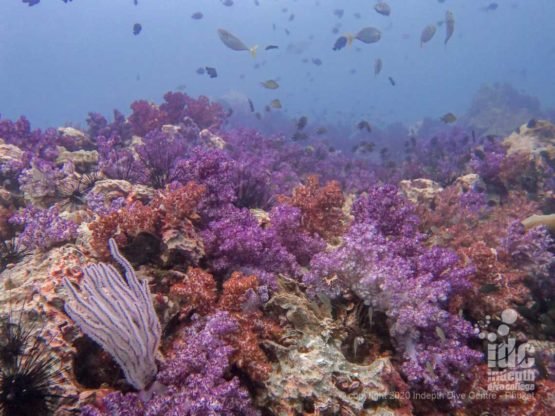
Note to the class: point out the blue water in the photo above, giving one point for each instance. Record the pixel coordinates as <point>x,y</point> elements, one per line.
<point>58,61</point>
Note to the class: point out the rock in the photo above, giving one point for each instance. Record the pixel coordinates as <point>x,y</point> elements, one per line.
<point>33,286</point>
<point>9,153</point>
<point>212,140</point>
<point>420,191</point>
<point>470,182</point>
<point>182,246</point>
<point>83,159</point>
<point>535,220</point>
<point>79,139</point>
<point>328,383</point>
<point>116,188</point>
<point>533,138</point>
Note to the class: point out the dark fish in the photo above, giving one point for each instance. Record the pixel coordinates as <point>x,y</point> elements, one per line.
<point>340,43</point>
<point>449,26</point>
<point>292,17</point>
<point>267,108</point>
<point>427,34</point>
<point>369,35</point>
<point>197,16</point>
<point>364,147</point>
<point>383,8</point>
<point>357,15</point>
<point>364,125</point>
<point>533,123</point>
<point>227,3</point>
<point>31,2</point>
<point>298,136</point>
<point>200,71</point>
<point>137,28</point>
<point>251,105</point>
<point>448,118</point>
<point>301,124</point>
<point>258,116</point>
<point>181,87</point>
<point>378,65</point>
<point>335,30</point>
<point>287,32</point>
<point>271,47</point>
<point>211,72</point>
<point>321,130</point>
<point>338,13</point>
<point>317,61</point>
<point>491,7</point>
<point>136,2</point>
<point>391,81</point>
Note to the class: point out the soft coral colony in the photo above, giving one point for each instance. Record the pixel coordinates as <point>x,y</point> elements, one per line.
<point>267,277</point>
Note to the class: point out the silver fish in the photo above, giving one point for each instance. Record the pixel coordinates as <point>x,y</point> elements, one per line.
<point>234,43</point>
<point>369,35</point>
<point>383,8</point>
<point>449,25</point>
<point>427,34</point>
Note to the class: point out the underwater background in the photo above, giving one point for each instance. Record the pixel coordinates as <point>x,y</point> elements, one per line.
<point>266,207</point>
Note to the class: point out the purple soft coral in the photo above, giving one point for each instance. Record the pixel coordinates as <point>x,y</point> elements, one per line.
<point>196,377</point>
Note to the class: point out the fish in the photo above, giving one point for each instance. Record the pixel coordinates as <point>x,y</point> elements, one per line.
<point>364,125</point>
<point>270,84</point>
<point>292,17</point>
<point>383,8</point>
<point>448,118</point>
<point>234,43</point>
<point>378,65</point>
<point>427,34</point>
<point>212,73</point>
<point>392,81</point>
<point>258,116</point>
<point>137,27</point>
<point>200,71</point>
<point>298,136</point>
<point>301,124</point>
<point>449,26</point>
<point>256,3</point>
<point>364,147</point>
<point>440,334</point>
<point>490,7</point>
<point>227,3</point>
<point>269,47</point>
<point>287,32</point>
<point>317,61</point>
<point>136,2</point>
<point>368,35</point>
<point>357,15</point>
<point>251,105</point>
<point>340,43</point>
<point>335,30</point>
<point>181,87</point>
<point>197,16</point>
<point>275,103</point>
<point>321,130</point>
<point>338,13</point>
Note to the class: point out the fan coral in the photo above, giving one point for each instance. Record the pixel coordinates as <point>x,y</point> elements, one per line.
<point>118,316</point>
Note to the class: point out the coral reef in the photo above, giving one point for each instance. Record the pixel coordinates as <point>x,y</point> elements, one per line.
<point>287,277</point>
